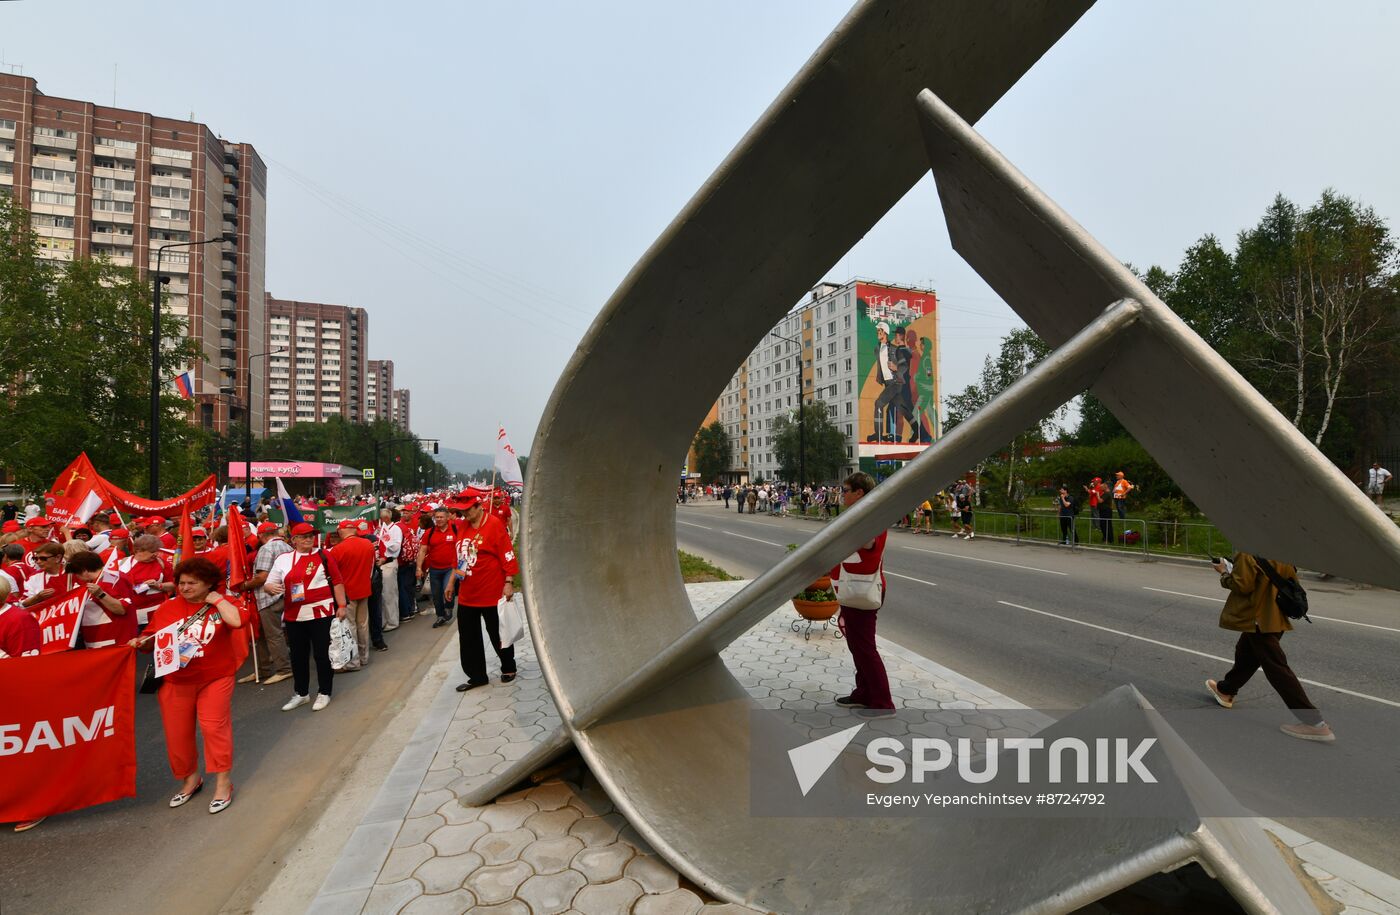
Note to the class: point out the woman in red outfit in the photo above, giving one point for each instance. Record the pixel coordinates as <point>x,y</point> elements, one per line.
<point>201,691</point>
<point>872,684</point>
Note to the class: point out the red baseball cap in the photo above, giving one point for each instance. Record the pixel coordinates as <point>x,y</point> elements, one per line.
<point>266,527</point>
<point>199,532</point>
<point>9,527</point>
<point>114,519</point>
<point>39,521</point>
<point>119,533</point>
<point>303,528</point>
<point>347,522</point>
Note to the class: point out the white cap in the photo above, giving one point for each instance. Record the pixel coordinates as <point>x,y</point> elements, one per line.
<point>883,326</point>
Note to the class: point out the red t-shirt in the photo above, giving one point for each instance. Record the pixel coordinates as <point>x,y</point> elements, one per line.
<point>19,632</point>
<point>442,547</point>
<point>142,577</point>
<point>355,557</point>
<point>222,647</point>
<point>167,540</point>
<point>100,627</point>
<point>486,557</point>
<point>865,561</point>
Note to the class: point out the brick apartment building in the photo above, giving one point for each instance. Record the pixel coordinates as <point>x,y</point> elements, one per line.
<point>322,371</point>
<point>122,183</point>
<point>379,390</point>
<point>400,406</point>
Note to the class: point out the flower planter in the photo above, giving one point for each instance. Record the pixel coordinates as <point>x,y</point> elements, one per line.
<point>821,584</point>
<point>815,610</point>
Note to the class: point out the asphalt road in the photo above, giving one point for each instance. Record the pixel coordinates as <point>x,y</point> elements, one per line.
<point>1055,629</point>
<point>139,856</point>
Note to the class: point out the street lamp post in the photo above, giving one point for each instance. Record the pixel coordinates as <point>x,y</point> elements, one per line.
<point>801,416</point>
<point>248,426</point>
<point>156,282</point>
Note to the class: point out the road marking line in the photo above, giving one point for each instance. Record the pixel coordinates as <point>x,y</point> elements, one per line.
<point>1213,657</point>
<point>1330,619</point>
<point>688,524</point>
<point>980,559</point>
<point>931,584</point>
<point>754,539</point>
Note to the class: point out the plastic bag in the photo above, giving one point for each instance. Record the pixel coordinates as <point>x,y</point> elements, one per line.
<point>345,649</point>
<point>512,617</point>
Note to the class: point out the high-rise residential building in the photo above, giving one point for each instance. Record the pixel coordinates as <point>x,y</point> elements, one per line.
<point>400,409</point>
<point>379,390</point>
<point>867,351</point>
<point>321,372</point>
<point>122,183</point>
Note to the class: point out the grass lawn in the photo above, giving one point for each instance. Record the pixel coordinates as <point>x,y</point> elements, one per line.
<point>694,569</point>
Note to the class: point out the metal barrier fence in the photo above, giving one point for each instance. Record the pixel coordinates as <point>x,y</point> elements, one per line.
<point>1189,539</point>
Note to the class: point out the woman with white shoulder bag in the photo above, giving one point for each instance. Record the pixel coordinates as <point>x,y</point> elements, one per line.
<point>859,581</point>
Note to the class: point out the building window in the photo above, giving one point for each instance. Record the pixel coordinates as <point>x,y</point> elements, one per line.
<point>847,323</point>
<point>49,174</point>
<point>52,198</point>
<point>848,408</point>
<point>847,347</point>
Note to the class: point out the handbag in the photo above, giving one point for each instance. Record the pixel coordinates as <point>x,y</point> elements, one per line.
<point>512,621</point>
<point>345,647</point>
<point>860,591</point>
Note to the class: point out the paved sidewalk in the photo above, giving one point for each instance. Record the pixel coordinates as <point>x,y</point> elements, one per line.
<point>561,847</point>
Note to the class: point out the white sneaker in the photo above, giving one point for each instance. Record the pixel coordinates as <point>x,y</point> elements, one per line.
<point>322,700</point>
<point>295,702</point>
<point>971,535</point>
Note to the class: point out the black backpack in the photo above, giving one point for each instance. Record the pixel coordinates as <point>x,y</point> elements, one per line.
<point>1292,600</point>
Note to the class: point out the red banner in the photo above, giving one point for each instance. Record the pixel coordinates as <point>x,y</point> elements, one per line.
<point>203,494</point>
<point>67,732</point>
<point>59,617</point>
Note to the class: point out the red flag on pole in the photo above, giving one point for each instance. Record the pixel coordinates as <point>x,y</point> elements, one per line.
<point>238,569</point>
<point>77,493</point>
<point>185,550</point>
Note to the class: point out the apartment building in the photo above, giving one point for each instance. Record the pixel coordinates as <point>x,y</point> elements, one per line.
<point>320,371</point>
<point>123,184</point>
<point>399,407</point>
<point>882,394</point>
<point>379,390</point>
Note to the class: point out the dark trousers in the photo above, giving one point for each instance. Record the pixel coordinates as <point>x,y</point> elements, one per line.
<point>1105,521</point>
<point>408,590</point>
<point>1122,506</point>
<point>304,640</point>
<point>469,620</point>
<point>437,583</point>
<point>889,397</point>
<point>376,609</point>
<point>1067,532</point>
<point>872,683</point>
<point>1265,649</point>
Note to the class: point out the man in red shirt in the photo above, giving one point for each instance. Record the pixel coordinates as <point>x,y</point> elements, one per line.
<point>155,526</point>
<point>36,531</point>
<point>120,539</point>
<point>355,557</point>
<point>437,552</point>
<point>482,576</point>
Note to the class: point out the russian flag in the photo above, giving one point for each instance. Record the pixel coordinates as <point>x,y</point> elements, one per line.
<point>184,383</point>
<point>289,508</point>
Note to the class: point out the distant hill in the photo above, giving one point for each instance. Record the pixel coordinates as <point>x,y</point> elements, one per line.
<point>464,461</point>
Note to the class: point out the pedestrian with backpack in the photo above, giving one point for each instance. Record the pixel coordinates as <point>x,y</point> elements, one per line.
<point>1264,596</point>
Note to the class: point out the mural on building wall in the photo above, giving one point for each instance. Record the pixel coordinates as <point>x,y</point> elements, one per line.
<point>897,372</point>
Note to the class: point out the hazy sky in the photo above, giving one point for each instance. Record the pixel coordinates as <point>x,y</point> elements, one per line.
<point>480,177</point>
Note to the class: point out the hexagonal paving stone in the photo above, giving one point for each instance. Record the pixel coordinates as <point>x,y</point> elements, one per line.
<point>553,822</point>
<point>654,875</point>
<point>501,847</point>
<point>402,862</point>
<point>454,812</point>
<point>552,893</point>
<point>445,874</point>
<point>509,907</point>
<point>476,766</point>
<point>390,898</point>
<point>428,802</point>
<point>502,816</point>
<point>592,801</point>
<point>551,855</point>
<point>608,898</point>
<point>497,883</point>
<point>596,831</point>
<point>453,903</point>
<point>550,795</point>
<point>453,840</point>
<point>485,746</point>
<point>514,751</point>
<point>677,902</point>
<point>417,829</point>
<point>604,862</point>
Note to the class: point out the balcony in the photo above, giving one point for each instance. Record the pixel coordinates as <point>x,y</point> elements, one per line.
<point>49,142</point>
<point>228,342</point>
<point>227,364</point>
<point>228,326</point>
<point>170,181</point>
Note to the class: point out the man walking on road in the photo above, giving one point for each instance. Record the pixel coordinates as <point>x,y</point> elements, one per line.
<point>437,552</point>
<point>1252,610</point>
<point>272,638</point>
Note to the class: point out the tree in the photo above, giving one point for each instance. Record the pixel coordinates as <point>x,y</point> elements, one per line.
<point>75,353</point>
<point>826,445</point>
<point>1020,350</point>
<point>1321,284</point>
<point>712,451</point>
